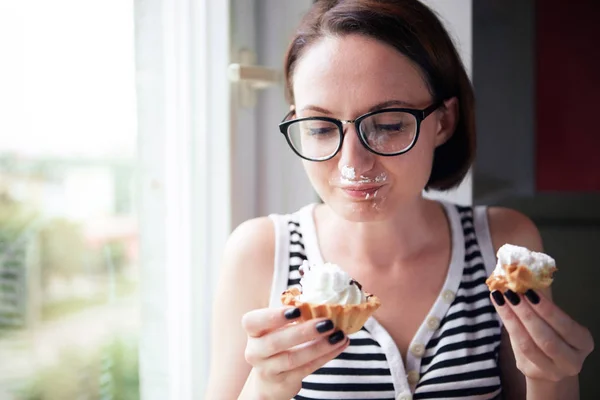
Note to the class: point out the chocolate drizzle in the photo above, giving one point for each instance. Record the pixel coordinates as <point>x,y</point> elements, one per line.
<point>301,269</point>
<point>353,282</point>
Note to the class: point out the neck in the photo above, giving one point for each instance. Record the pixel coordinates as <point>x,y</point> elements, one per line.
<point>410,231</point>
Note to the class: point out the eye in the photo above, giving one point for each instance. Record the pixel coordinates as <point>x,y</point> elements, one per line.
<point>395,127</point>
<point>320,130</point>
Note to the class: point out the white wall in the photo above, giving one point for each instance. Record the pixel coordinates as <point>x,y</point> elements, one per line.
<point>282,185</point>
<point>457,17</point>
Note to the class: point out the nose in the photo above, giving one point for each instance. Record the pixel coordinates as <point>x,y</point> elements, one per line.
<point>354,154</point>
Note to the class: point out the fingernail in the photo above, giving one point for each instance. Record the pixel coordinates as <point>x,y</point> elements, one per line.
<point>336,337</point>
<point>532,296</point>
<point>324,326</point>
<point>512,297</point>
<point>498,298</point>
<point>292,313</point>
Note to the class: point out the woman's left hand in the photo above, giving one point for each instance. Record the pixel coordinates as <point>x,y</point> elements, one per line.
<point>547,343</point>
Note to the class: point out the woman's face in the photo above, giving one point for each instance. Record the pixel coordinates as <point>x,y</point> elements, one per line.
<point>343,78</point>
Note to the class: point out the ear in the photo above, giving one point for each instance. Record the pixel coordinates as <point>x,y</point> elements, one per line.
<point>447,121</point>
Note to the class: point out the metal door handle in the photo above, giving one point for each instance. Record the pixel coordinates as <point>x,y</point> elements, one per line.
<point>256,76</point>
<point>251,77</point>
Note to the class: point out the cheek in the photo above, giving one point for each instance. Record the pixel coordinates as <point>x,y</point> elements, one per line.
<point>413,168</point>
<point>424,149</point>
<point>318,173</point>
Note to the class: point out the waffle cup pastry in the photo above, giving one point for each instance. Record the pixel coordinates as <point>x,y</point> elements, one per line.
<point>519,279</point>
<point>520,269</point>
<point>348,318</point>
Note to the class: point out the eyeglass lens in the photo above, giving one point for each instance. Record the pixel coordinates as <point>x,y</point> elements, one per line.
<point>386,133</point>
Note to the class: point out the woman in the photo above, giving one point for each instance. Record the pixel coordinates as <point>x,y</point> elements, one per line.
<point>381,109</point>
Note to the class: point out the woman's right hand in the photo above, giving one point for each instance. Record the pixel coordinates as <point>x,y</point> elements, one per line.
<point>282,352</point>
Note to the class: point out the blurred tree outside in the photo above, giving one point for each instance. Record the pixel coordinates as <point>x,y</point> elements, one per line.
<point>65,261</point>
<point>17,248</point>
<point>108,373</point>
<point>50,270</point>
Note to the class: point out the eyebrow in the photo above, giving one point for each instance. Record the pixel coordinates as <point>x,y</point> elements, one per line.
<point>379,106</point>
<point>390,103</point>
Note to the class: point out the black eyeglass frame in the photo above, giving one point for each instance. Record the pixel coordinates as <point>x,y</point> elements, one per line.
<point>419,115</point>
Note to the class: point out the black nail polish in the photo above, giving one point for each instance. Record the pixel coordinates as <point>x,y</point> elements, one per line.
<point>336,337</point>
<point>324,326</point>
<point>512,297</point>
<point>498,298</point>
<point>532,296</point>
<point>292,313</point>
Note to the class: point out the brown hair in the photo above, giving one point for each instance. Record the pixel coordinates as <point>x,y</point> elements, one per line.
<point>415,31</point>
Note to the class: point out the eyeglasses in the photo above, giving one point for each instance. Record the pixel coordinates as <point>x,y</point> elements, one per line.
<point>387,132</point>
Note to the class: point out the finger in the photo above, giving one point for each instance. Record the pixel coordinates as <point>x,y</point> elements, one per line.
<point>302,356</point>
<point>520,340</point>
<point>312,366</point>
<point>544,336</point>
<point>258,322</point>
<point>574,334</point>
<point>292,335</point>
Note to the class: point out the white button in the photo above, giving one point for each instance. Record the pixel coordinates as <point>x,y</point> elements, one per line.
<point>417,349</point>
<point>448,296</point>
<point>433,323</point>
<point>404,396</point>
<point>413,377</point>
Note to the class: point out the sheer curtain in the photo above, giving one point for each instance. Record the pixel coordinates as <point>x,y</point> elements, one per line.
<point>182,54</point>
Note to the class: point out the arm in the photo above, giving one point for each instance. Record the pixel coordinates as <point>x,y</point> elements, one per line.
<point>244,285</point>
<point>260,352</point>
<point>508,226</point>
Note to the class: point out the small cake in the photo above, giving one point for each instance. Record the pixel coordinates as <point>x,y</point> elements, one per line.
<point>520,269</point>
<point>328,291</point>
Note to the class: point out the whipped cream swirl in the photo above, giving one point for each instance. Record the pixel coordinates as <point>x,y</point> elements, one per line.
<point>329,284</point>
<point>510,254</point>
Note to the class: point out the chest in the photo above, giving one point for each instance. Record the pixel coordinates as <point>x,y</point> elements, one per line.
<point>406,302</point>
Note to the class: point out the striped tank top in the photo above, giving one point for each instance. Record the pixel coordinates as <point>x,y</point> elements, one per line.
<point>454,353</point>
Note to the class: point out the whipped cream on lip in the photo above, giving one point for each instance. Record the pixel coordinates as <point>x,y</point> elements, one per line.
<point>329,284</point>
<point>363,180</point>
<point>363,188</point>
<point>349,177</point>
<point>356,189</point>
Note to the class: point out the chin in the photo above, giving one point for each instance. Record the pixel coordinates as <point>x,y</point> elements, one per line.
<point>361,211</point>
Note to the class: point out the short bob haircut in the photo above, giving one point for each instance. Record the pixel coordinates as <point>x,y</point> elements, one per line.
<point>415,31</point>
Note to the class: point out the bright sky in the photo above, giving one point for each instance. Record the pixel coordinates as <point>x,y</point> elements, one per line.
<point>67,78</point>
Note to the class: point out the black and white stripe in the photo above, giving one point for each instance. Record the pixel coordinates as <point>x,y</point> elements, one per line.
<point>460,359</point>
<point>297,253</point>
<point>360,372</point>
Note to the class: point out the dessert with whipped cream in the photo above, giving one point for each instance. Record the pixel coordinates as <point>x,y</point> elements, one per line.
<point>328,291</point>
<point>520,269</point>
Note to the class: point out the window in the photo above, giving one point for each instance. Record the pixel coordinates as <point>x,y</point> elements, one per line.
<point>126,158</point>
<point>69,259</point>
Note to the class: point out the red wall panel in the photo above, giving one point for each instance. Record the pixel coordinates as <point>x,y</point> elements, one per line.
<point>568,95</point>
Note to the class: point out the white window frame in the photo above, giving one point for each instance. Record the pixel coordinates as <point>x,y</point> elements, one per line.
<point>185,186</point>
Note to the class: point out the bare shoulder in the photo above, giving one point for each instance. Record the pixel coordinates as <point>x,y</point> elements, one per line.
<point>244,284</point>
<point>247,268</point>
<point>251,246</point>
<point>510,226</point>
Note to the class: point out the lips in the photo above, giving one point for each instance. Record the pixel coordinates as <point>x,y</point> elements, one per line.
<point>361,191</point>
